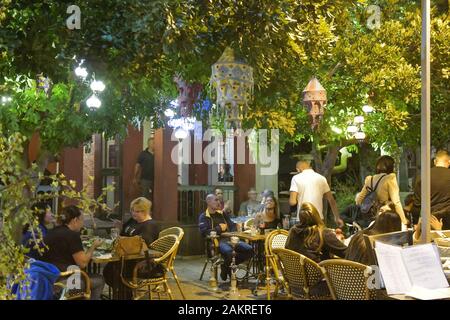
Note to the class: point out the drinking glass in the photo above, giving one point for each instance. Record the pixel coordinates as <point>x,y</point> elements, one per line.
<point>114,233</point>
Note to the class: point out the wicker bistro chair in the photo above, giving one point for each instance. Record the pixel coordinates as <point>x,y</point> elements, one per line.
<point>302,275</point>
<point>168,246</point>
<point>179,232</point>
<point>348,280</point>
<point>275,239</point>
<point>74,294</point>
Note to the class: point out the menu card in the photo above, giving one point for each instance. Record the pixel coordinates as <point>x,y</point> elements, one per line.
<point>403,268</point>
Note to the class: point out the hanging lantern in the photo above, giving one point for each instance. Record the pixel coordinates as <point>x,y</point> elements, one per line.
<point>233,81</point>
<point>44,84</point>
<point>315,99</point>
<point>188,95</point>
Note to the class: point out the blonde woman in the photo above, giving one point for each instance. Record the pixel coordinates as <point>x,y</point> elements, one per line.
<point>311,238</point>
<point>141,223</point>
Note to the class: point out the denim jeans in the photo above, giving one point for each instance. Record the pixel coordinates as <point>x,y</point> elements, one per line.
<point>244,251</point>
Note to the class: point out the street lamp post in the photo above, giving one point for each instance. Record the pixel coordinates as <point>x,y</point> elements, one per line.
<point>425,124</point>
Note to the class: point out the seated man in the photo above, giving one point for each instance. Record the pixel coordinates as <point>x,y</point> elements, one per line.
<point>249,207</point>
<point>213,219</point>
<point>440,192</point>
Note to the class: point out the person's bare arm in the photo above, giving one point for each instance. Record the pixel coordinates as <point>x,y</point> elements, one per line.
<point>293,198</point>
<point>82,258</point>
<point>137,173</point>
<point>333,205</point>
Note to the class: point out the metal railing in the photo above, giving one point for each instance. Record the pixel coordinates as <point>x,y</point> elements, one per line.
<point>191,200</point>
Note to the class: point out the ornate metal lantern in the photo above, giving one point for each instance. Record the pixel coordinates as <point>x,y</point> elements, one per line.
<point>315,99</point>
<point>188,95</point>
<point>233,81</point>
<point>44,84</point>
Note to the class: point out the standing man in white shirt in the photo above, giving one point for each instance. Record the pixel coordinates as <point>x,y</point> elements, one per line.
<point>309,186</point>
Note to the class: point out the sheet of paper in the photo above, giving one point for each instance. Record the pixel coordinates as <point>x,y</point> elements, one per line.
<point>424,266</point>
<point>393,272</point>
<point>428,294</point>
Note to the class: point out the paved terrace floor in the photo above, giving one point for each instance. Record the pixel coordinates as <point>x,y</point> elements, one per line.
<point>188,270</point>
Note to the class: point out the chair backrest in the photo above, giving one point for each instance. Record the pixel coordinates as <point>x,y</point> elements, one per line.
<point>172,230</point>
<point>167,245</point>
<point>399,238</point>
<point>275,239</point>
<point>75,294</point>
<point>249,223</point>
<point>348,280</point>
<point>300,272</point>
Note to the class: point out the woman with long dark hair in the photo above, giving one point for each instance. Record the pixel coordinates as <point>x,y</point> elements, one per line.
<point>311,238</point>
<point>269,216</point>
<point>387,221</point>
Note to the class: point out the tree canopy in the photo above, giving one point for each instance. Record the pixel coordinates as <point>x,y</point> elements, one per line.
<point>136,47</point>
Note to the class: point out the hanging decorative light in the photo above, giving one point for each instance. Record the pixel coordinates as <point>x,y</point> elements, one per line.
<point>181,133</point>
<point>188,94</point>
<point>360,136</point>
<point>44,84</point>
<point>367,109</point>
<point>97,86</point>
<point>358,120</point>
<point>169,113</point>
<point>93,102</point>
<point>233,81</point>
<point>6,100</point>
<point>352,129</point>
<point>315,99</point>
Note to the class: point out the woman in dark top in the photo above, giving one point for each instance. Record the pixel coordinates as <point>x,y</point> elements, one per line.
<point>65,248</point>
<point>45,217</point>
<point>140,224</point>
<point>387,221</point>
<point>268,218</point>
<point>311,238</point>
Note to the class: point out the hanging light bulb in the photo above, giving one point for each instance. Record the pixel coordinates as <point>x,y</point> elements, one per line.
<point>169,113</point>
<point>93,102</point>
<point>352,129</point>
<point>81,72</point>
<point>97,86</point>
<point>359,119</point>
<point>360,136</point>
<point>181,133</point>
<point>5,100</point>
<point>367,109</point>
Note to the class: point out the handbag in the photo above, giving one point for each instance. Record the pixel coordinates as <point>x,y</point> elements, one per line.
<point>129,246</point>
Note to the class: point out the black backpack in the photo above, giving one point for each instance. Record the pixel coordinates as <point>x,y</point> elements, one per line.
<point>370,205</point>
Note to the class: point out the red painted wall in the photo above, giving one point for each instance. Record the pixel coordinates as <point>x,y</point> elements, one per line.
<point>244,178</point>
<point>166,178</point>
<point>72,165</point>
<point>131,148</point>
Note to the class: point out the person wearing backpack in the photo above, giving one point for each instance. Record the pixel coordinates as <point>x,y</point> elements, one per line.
<point>381,188</point>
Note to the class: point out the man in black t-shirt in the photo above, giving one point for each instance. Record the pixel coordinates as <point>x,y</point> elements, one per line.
<point>440,190</point>
<point>144,171</point>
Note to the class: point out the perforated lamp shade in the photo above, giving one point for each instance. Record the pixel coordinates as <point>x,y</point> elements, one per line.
<point>233,81</point>
<point>315,99</point>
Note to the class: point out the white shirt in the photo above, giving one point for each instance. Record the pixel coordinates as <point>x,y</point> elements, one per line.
<point>310,187</point>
